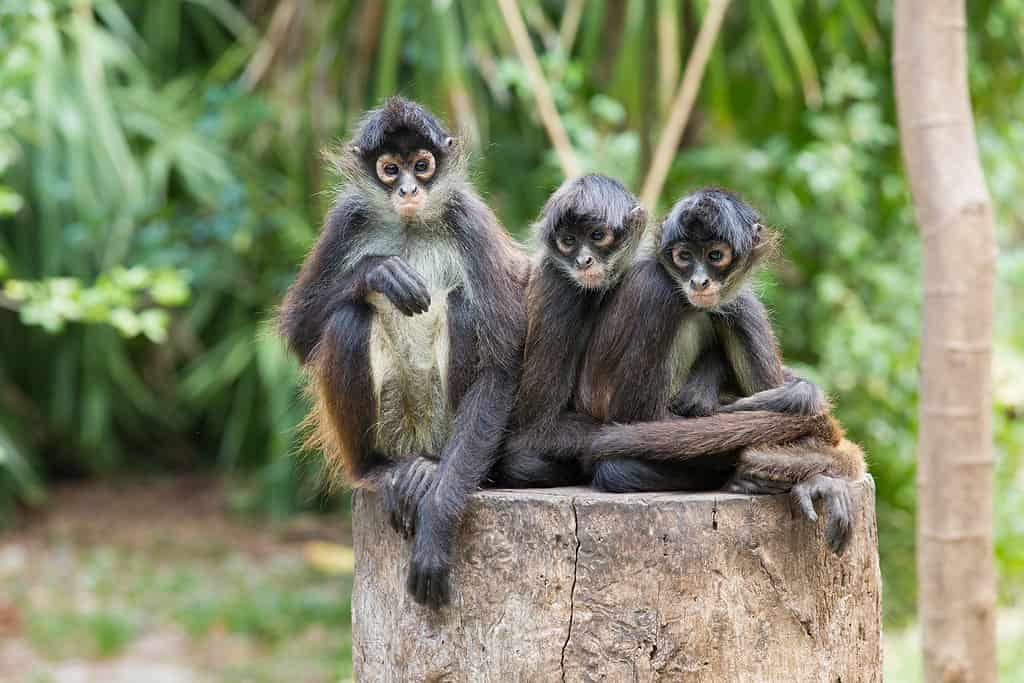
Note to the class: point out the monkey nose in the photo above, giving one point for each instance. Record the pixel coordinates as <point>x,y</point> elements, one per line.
<point>584,262</point>
<point>700,284</point>
<point>410,190</point>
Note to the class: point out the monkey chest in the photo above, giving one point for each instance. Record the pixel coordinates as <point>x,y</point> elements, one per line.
<point>409,365</point>
<point>694,335</point>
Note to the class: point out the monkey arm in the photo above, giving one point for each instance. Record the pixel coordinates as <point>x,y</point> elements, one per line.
<point>746,335</point>
<point>488,332</point>
<point>319,287</point>
<point>468,457</point>
<point>700,395</point>
<point>796,397</point>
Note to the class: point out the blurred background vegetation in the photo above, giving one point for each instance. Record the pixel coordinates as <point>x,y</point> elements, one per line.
<point>160,181</point>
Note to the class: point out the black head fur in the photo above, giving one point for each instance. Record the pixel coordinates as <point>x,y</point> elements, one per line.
<point>712,214</point>
<point>591,199</point>
<point>398,114</point>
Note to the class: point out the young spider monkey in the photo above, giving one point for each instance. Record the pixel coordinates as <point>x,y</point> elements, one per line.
<point>704,334</point>
<point>588,232</point>
<point>407,315</point>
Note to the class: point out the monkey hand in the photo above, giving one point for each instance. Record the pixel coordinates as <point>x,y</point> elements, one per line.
<point>403,491</point>
<point>838,504</point>
<point>430,565</point>
<point>403,286</point>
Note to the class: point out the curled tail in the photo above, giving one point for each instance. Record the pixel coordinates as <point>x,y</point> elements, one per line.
<point>680,439</point>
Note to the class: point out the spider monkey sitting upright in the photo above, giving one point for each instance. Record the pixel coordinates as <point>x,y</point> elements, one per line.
<point>407,315</point>
<point>705,333</point>
<point>588,232</point>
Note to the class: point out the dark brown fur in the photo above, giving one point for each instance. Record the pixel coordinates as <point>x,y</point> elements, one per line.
<point>778,436</point>
<point>358,279</point>
<point>547,439</point>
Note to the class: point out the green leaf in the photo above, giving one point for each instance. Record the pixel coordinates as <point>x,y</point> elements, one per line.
<point>10,202</point>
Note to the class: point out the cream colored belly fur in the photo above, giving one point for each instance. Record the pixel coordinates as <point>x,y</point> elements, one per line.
<point>409,361</point>
<point>693,337</point>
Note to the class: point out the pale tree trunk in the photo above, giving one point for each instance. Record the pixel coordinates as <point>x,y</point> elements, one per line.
<point>575,585</point>
<point>955,565</point>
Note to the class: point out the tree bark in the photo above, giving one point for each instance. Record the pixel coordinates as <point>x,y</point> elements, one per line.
<point>956,572</point>
<point>576,585</point>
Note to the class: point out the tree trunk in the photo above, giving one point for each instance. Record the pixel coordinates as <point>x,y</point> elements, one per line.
<point>955,562</point>
<point>576,585</point>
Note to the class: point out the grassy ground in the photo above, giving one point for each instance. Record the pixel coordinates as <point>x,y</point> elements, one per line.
<point>153,581</point>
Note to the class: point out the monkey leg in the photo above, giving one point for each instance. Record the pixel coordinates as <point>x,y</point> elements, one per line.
<point>625,475</point>
<point>524,470</point>
<point>810,469</point>
<point>547,454</point>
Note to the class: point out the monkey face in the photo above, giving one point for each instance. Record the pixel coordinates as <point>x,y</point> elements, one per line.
<point>407,176</point>
<point>405,166</point>
<point>586,254</point>
<point>702,269</point>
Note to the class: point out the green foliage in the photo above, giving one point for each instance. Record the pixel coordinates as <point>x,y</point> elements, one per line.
<point>99,634</point>
<point>159,177</point>
<point>116,299</point>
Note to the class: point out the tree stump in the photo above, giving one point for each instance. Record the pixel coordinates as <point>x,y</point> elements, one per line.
<point>575,585</point>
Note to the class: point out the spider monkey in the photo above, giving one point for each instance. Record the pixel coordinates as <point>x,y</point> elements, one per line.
<point>704,335</point>
<point>407,316</point>
<point>588,233</point>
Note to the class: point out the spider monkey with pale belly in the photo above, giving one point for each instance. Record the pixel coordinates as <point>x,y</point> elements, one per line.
<point>407,316</point>
<point>703,334</point>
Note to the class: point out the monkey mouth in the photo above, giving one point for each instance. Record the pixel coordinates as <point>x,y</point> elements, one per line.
<point>703,299</point>
<point>407,208</point>
<point>592,278</point>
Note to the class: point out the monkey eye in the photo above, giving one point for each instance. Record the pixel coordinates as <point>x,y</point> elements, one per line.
<point>387,168</point>
<point>602,238</point>
<point>424,164</point>
<point>566,243</point>
<point>682,256</point>
<point>720,254</point>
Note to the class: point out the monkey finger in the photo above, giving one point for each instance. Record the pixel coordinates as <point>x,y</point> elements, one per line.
<point>444,590</point>
<point>387,491</point>
<point>414,287</point>
<point>837,532</point>
<point>802,495</point>
<point>409,499</point>
<point>393,292</point>
<point>430,592</point>
<point>415,584</point>
<point>415,296</point>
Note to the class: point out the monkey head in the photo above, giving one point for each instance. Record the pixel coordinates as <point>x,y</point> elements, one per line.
<point>709,244</point>
<point>404,159</point>
<point>590,228</point>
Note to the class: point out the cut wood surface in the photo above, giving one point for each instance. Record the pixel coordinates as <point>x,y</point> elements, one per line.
<point>575,585</point>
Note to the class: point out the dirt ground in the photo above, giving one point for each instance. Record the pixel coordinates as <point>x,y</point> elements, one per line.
<point>153,580</point>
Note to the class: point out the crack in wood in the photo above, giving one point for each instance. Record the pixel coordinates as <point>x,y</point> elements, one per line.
<point>780,593</point>
<point>572,589</point>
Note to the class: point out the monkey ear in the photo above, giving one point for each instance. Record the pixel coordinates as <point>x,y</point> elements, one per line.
<point>355,150</point>
<point>637,216</point>
<point>449,142</point>
<point>756,227</point>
